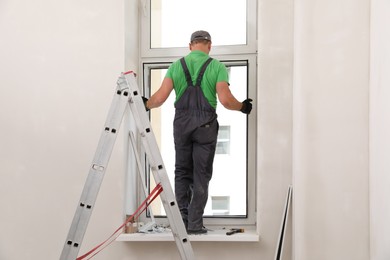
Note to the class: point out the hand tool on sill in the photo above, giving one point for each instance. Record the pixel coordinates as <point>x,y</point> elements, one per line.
<point>234,231</point>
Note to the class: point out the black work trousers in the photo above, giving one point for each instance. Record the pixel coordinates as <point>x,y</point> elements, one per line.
<point>195,149</point>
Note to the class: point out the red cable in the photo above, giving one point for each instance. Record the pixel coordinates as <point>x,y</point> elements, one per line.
<point>156,191</point>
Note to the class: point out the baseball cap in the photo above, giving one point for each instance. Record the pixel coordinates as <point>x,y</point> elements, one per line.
<point>200,35</point>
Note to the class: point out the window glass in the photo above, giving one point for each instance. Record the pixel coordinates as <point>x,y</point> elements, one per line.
<point>223,142</point>
<point>172,22</point>
<point>228,186</point>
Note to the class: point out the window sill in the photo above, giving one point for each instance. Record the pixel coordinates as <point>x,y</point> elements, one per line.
<point>213,235</point>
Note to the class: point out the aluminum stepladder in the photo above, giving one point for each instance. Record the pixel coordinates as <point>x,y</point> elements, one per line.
<point>127,93</point>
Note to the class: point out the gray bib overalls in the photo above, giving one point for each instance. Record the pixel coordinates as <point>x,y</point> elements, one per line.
<point>195,135</point>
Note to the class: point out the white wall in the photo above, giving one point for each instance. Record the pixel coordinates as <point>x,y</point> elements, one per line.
<point>275,78</point>
<point>379,130</point>
<point>330,134</point>
<point>59,62</point>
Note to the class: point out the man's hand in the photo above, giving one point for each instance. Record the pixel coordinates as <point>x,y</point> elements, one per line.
<point>145,100</point>
<point>246,106</point>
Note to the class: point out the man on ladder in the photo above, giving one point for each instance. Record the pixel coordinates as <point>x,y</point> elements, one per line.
<point>195,123</point>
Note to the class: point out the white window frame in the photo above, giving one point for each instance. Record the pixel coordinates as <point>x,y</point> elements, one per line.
<point>250,61</point>
<point>249,48</point>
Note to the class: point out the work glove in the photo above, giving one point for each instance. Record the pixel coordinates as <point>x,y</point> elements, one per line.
<point>144,99</point>
<point>246,106</point>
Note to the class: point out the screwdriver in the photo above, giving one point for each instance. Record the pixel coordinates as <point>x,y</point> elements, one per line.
<point>234,231</point>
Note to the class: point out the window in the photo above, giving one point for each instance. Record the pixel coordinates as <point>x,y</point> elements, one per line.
<point>167,24</point>
<point>166,14</point>
<point>164,40</point>
<point>223,142</point>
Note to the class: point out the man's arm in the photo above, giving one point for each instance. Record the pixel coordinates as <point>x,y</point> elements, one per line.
<point>161,95</point>
<point>226,97</point>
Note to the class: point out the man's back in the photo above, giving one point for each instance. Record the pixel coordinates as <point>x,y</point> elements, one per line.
<point>215,72</point>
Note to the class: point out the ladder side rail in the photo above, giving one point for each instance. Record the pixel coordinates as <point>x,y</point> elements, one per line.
<point>96,173</point>
<point>158,169</point>
<point>140,171</point>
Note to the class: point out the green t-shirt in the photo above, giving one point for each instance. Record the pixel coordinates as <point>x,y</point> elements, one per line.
<point>215,72</point>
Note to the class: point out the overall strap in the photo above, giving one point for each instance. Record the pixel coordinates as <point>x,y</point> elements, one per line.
<point>201,72</point>
<point>186,72</point>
